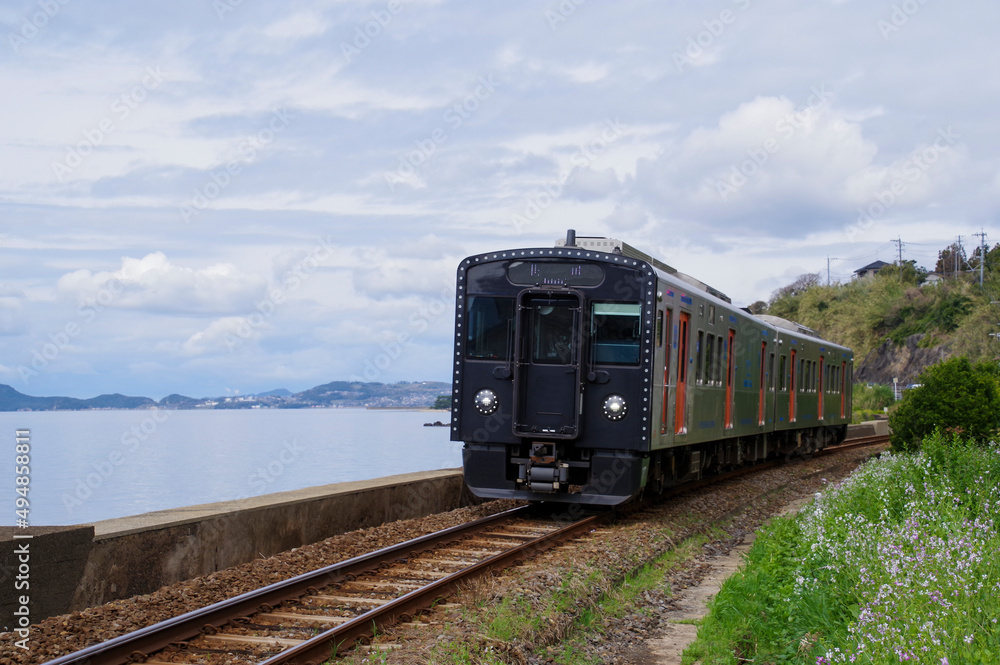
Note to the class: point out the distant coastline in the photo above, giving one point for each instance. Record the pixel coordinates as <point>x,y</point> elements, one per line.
<point>420,395</point>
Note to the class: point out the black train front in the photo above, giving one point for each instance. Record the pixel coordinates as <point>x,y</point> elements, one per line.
<point>590,371</point>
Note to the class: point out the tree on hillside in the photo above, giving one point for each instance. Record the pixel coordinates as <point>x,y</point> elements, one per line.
<point>992,259</point>
<point>784,301</point>
<point>908,272</point>
<point>954,396</point>
<point>951,261</point>
<point>801,284</point>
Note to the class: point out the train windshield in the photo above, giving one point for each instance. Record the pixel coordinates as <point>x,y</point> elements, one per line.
<point>490,330</point>
<point>615,330</point>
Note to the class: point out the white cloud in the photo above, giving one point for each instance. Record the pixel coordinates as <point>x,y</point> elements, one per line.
<point>154,284</point>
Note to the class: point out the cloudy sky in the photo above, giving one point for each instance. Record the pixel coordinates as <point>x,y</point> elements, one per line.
<point>230,196</point>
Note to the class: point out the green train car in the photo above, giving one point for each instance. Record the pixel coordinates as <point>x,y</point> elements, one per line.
<point>590,372</point>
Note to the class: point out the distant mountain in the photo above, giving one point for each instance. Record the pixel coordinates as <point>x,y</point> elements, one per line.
<point>347,393</point>
<point>12,400</point>
<point>176,400</point>
<point>280,392</point>
<point>333,394</point>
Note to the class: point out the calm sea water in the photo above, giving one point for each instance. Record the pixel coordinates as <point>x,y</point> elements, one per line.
<point>94,465</point>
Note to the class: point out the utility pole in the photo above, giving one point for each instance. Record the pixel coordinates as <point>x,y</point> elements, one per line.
<point>899,243</point>
<point>958,252</point>
<point>982,253</point>
<point>828,259</point>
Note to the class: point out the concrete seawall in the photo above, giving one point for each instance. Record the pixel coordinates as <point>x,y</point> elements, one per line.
<point>72,568</point>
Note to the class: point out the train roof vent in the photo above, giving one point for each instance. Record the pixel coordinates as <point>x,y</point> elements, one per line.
<point>615,246</point>
<point>779,322</point>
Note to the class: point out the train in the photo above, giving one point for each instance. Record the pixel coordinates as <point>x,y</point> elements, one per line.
<point>592,373</point>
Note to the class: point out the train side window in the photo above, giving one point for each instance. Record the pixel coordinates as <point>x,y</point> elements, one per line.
<point>490,328</point>
<point>615,333</point>
<point>699,363</point>
<point>709,358</point>
<point>711,314</point>
<point>659,327</point>
<point>718,360</point>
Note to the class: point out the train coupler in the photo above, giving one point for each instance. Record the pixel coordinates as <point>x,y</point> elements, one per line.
<point>542,471</point>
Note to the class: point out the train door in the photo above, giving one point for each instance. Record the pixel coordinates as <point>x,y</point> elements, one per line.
<point>668,335</point>
<point>791,392</point>
<point>730,365</point>
<point>547,364</point>
<point>680,412</point>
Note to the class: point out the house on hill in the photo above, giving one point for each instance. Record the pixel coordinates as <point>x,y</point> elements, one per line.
<point>869,270</point>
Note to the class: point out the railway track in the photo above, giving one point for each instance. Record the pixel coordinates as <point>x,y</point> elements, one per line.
<point>311,617</point>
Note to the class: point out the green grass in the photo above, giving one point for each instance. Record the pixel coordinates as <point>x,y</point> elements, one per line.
<point>897,564</point>
<point>623,598</point>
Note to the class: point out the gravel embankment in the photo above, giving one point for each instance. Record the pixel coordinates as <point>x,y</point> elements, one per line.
<point>600,561</point>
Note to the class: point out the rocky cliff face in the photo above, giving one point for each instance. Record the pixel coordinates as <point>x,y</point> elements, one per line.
<point>904,363</point>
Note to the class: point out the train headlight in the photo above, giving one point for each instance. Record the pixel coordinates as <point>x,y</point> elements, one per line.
<point>614,407</point>
<point>485,401</point>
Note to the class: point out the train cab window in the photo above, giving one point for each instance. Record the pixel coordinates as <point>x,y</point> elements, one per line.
<point>553,334</point>
<point>490,328</point>
<point>615,333</point>
<point>782,374</point>
<point>711,314</point>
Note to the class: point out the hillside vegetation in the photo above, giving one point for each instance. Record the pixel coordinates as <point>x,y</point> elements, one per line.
<point>898,312</point>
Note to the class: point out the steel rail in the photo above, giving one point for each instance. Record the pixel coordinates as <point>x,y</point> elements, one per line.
<point>857,442</point>
<point>119,650</point>
<point>328,644</point>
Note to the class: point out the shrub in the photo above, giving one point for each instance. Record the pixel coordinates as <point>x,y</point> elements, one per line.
<point>872,398</point>
<point>955,396</point>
